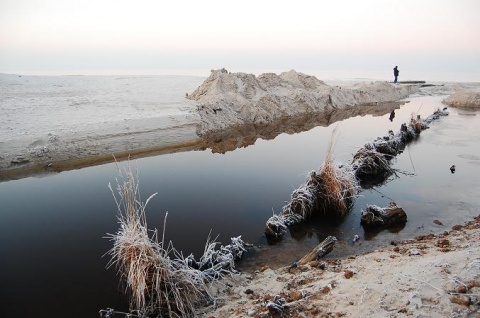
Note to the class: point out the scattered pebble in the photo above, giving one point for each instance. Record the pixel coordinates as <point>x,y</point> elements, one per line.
<point>414,251</point>
<point>443,243</point>
<point>461,300</point>
<point>461,289</point>
<point>252,313</point>
<point>348,274</point>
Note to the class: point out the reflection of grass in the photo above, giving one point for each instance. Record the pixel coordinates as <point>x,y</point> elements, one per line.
<point>159,285</point>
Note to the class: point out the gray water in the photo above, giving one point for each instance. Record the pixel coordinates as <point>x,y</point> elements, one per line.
<point>52,228</point>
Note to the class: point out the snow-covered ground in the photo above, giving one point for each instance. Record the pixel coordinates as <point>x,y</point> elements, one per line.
<point>54,115</point>
<point>38,106</point>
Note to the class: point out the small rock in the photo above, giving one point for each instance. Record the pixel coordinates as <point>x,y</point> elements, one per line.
<point>456,227</point>
<point>248,291</point>
<point>414,251</point>
<point>296,295</point>
<point>348,274</point>
<point>461,300</point>
<point>443,243</point>
<point>461,289</point>
<point>313,263</point>
<point>473,283</point>
<point>437,222</point>
<point>252,313</point>
<point>326,290</point>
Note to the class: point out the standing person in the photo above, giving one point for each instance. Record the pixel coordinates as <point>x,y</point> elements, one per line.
<point>395,73</point>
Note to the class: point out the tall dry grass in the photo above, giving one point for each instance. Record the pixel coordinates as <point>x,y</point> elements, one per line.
<point>331,190</point>
<point>160,285</point>
<point>337,184</point>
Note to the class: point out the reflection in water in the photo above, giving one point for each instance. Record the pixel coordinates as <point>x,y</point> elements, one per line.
<point>392,115</point>
<point>370,233</point>
<point>315,228</point>
<point>246,135</point>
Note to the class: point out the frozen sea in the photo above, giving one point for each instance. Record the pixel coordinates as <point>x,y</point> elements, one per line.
<point>44,107</point>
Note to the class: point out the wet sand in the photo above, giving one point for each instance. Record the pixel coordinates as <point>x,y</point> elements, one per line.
<point>428,276</point>
<point>76,152</point>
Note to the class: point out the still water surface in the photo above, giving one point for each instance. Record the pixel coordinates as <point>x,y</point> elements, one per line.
<point>52,228</point>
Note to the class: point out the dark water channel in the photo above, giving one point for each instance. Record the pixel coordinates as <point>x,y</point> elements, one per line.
<point>52,227</point>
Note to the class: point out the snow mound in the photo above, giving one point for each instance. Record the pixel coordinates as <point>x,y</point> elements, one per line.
<point>464,97</point>
<point>229,99</point>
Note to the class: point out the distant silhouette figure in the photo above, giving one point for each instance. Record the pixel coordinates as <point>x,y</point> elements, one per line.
<point>395,73</point>
<point>392,115</point>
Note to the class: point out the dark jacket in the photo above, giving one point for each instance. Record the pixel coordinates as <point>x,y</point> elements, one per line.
<point>395,71</point>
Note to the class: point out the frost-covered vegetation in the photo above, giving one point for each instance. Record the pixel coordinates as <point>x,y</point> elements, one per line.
<point>333,189</point>
<point>372,162</point>
<point>160,281</point>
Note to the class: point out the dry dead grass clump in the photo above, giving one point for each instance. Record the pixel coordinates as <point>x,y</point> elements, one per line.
<point>338,188</point>
<point>160,280</point>
<point>158,284</point>
<point>330,190</point>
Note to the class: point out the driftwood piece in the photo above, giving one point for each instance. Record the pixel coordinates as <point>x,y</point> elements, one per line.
<point>319,251</point>
<point>390,215</point>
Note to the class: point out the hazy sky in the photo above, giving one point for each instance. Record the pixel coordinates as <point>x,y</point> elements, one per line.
<point>142,36</point>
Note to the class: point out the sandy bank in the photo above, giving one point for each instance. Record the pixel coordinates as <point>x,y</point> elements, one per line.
<point>229,99</point>
<point>466,96</point>
<point>429,276</point>
<point>67,152</point>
